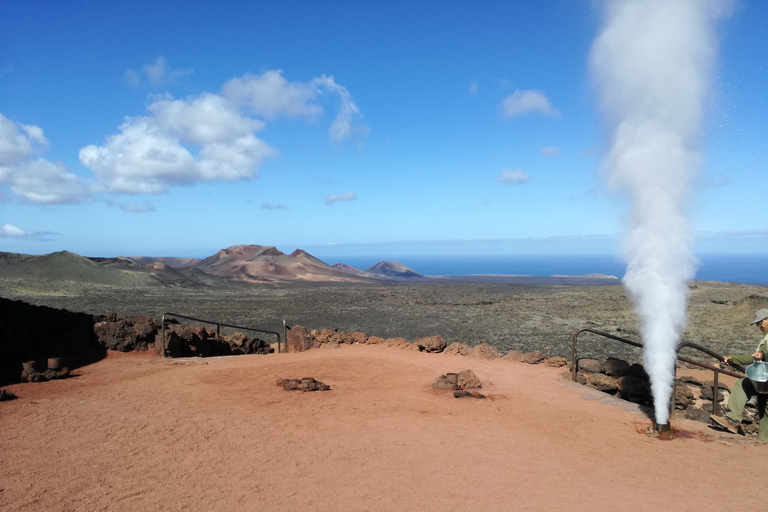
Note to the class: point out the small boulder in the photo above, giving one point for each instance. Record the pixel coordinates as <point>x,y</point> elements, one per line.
<point>615,367</point>
<point>634,389</point>
<point>397,342</point>
<point>299,339</point>
<point>696,414</point>
<point>485,351</point>
<point>603,383</point>
<point>707,394</point>
<point>590,366</point>
<point>468,380</point>
<point>555,362</point>
<point>431,344</point>
<point>683,396</point>
<point>375,340</point>
<point>358,337</point>
<point>458,348</point>
<point>448,381</point>
<point>533,357</point>
<point>513,355</point>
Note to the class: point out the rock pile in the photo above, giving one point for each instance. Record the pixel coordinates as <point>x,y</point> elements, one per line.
<point>185,341</point>
<point>125,334</point>
<point>32,375</point>
<point>300,338</point>
<point>305,384</point>
<point>631,382</point>
<point>144,333</point>
<point>460,383</point>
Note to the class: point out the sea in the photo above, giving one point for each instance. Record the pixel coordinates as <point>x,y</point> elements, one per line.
<point>732,268</point>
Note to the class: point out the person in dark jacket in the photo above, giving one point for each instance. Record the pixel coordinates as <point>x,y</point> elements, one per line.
<point>743,390</point>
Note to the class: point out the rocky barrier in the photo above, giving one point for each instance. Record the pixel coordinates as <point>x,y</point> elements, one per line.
<point>34,333</point>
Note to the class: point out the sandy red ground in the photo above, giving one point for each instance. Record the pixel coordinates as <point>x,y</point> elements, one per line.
<point>135,432</point>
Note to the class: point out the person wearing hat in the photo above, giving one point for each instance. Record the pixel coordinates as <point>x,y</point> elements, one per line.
<point>743,390</point>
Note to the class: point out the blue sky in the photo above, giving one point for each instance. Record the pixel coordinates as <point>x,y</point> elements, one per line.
<point>179,128</point>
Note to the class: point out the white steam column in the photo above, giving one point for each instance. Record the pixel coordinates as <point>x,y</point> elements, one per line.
<point>652,64</point>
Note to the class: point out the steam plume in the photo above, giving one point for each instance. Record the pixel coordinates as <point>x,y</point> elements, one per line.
<point>652,63</point>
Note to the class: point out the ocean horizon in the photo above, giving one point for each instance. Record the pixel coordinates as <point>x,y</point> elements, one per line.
<point>731,268</point>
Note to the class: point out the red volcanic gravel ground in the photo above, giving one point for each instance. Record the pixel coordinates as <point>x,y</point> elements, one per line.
<point>136,432</point>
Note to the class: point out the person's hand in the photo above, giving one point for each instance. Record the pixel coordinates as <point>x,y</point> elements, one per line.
<point>728,359</point>
<point>758,355</point>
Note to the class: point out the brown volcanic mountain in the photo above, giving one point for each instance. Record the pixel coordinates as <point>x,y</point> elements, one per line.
<point>394,270</point>
<point>239,264</point>
<point>259,263</point>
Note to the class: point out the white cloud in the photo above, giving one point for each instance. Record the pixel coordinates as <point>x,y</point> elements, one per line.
<point>344,124</point>
<point>156,72</point>
<point>550,151</point>
<point>473,87</point>
<point>524,102</point>
<point>45,182</point>
<point>142,207</point>
<point>334,198</point>
<point>29,176</point>
<point>19,142</point>
<point>516,177</point>
<point>202,120</point>
<point>210,137</point>
<point>270,95</point>
<point>9,230</point>
<point>277,206</point>
<point>148,155</point>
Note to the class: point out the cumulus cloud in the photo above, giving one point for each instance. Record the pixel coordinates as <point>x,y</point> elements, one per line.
<point>210,137</point>
<point>550,151</point>
<point>270,95</point>
<point>524,102</point>
<point>516,177</point>
<point>156,72</point>
<point>150,153</point>
<point>30,176</point>
<point>276,206</point>
<point>334,198</point>
<point>9,230</point>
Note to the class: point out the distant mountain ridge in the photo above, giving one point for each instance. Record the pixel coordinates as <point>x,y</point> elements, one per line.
<point>236,264</point>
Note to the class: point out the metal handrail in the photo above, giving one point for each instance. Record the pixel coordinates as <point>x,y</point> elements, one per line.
<point>218,325</point>
<point>717,371</point>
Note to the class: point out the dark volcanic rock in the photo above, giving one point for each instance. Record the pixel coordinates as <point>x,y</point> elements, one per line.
<point>299,339</point>
<point>683,396</point>
<point>634,388</point>
<point>126,334</point>
<point>615,367</point>
<point>467,394</point>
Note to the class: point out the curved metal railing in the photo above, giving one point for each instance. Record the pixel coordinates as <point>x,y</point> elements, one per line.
<point>218,325</point>
<point>717,370</point>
